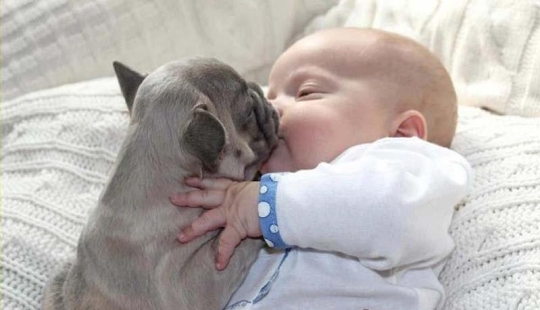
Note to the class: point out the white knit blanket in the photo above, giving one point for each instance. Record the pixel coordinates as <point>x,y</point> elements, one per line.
<point>58,146</point>
<point>496,263</point>
<point>490,47</point>
<point>53,42</point>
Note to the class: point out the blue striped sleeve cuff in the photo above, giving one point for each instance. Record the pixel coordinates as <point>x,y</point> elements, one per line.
<point>267,211</point>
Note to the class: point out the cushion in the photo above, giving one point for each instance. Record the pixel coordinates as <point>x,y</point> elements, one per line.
<point>495,264</point>
<point>60,144</point>
<point>57,149</point>
<point>491,48</point>
<point>50,43</point>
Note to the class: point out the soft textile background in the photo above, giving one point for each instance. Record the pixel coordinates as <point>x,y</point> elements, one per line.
<point>58,145</point>
<point>53,42</point>
<point>490,47</point>
<point>57,149</point>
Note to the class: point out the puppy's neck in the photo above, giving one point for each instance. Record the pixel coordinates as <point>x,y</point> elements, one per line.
<point>146,173</point>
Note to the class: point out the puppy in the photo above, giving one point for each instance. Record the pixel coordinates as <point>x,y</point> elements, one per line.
<point>195,117</point>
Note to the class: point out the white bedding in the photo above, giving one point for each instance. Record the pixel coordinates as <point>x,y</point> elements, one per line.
<point>490,47</point>
<point>53,42</point>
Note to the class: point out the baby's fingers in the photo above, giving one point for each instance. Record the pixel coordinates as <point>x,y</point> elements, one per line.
<point>228,240</point>
<point>199,198</point>
<point>217,184</point>
<point>208,221</point>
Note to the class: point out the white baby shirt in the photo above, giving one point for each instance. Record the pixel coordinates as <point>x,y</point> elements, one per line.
<point>367,231</point>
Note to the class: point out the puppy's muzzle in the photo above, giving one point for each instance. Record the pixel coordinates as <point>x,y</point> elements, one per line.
<point>268,123</point>
<point>266,115</point>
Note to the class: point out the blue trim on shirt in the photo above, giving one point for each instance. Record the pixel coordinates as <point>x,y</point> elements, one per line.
<point>267,211</point>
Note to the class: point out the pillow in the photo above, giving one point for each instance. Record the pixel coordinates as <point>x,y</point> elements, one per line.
<point>495,264</point>
<point>60,144</point>
<point>490,48</point>
<point>49,43</point>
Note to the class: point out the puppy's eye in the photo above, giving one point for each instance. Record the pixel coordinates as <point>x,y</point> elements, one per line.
<point>247,117</point>
<point>250,114</point>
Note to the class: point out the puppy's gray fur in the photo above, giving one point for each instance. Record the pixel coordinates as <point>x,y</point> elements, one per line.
<point>191,117</point>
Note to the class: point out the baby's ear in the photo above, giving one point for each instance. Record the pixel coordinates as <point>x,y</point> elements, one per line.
<point>205,137</point>
<point>410,123</point>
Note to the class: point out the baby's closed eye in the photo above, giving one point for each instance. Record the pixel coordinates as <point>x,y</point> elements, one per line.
<point>306,93</point>
<point>303,93</point>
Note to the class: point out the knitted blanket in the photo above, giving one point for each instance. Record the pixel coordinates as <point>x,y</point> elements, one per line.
<point>496,262</point>
<point>59,145</point>
<point>491,48</point>
<point>55,42</point>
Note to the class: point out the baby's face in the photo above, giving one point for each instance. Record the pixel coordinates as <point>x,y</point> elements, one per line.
<point>325,104</point>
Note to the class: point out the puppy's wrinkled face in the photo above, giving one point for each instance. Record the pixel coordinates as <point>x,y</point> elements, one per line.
<point>213,114</point>
<point>250,136</point>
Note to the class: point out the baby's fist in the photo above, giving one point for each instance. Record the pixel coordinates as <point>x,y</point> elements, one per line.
<point>232,205</point>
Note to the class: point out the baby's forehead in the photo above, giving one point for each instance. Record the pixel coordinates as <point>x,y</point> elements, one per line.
<point>348,51</point>
<point>309,53</point>
<point>353,54</point>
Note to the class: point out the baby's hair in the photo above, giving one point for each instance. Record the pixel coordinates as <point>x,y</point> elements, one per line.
<point>420,73</point>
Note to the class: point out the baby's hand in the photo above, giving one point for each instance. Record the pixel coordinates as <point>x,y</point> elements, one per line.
<point>232,205</point>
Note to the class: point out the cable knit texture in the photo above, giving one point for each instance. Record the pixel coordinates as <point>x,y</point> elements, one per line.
<point>53,42</point>
<point>490,47</point>
<point>59,145</point>
<point>57,149</point>
<point>496,262</point>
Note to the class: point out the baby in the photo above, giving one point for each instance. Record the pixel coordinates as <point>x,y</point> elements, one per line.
<point>358,218</point>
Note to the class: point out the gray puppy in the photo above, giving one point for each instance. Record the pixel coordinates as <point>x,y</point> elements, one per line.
<point>195,117</point>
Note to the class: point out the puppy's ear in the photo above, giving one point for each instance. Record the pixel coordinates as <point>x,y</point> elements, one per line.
<point>205,136</point>
<point>129,81</point>
<point>267,116</point>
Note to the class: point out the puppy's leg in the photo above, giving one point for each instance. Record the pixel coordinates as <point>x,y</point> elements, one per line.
<point>197,284</point>
<point>223,284</point>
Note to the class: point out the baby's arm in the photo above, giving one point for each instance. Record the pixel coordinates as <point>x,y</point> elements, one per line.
<point>232,205</point>
<point>389,206</point>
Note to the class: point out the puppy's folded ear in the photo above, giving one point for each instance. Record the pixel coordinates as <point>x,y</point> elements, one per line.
<point>266,115</point>
<point>205,137</point>
<point>129,81</point>
<point>255,87</point>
